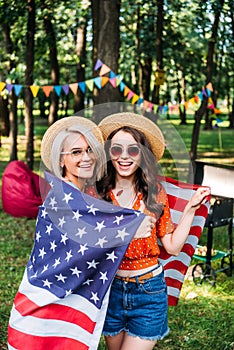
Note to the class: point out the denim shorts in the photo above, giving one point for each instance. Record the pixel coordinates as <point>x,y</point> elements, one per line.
<point>140,309</point>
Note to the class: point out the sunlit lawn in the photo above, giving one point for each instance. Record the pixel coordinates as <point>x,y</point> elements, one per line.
<point>204,321</point>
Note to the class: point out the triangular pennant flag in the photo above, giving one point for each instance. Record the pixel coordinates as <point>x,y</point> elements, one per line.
<point>204,92</point>
<point>113,82</point>
<point>98,82</point>
<point>17,88</point>
<point>126,91</point>
<point>121,86</point>
<point>47,89</point>
<point>200,96</point>
<point>34,89</point>
<point>89,84</point>
<point>58,89</point>
<point>66,89</point>
<point>192,100</point>
<point>105,80</point>
<point>2,86</point>
<point>135,98</point>
<point>150,106</point>
<point>130,95</point>
<point>211,106</point>
<point>82,86</point>
<point>98,64</point>
<point>104,70</point>
<point>196,99</point>
<point>208,92</point>
<point>74,88</point>
<point>155,108</point>
<point>140,101</point>
<point>112,75</point>
<point>145,104</point>
<point>217,111</point>
<point>118,80</point>
<point>9,87</point>
<point>209,86</point>
<point>218,120</point>
<point>210,100</point>
<point>186,104</point>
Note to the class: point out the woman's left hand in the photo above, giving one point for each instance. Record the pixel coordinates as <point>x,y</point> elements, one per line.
<point>201,196</point>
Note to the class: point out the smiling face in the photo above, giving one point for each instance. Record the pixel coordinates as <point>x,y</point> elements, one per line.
<point>125,155</point>
<point>79,162</point>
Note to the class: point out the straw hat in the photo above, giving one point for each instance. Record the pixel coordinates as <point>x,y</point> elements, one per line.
<point>138,122</point>
<point>61,125</point>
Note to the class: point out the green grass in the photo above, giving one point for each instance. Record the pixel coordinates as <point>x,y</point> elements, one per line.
<point>202,322</point>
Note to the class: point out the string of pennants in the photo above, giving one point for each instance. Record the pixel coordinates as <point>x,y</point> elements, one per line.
<point>116,81</point>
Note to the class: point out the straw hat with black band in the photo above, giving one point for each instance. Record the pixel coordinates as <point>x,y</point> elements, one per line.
<point>61,125</point>
<point>138,122</point>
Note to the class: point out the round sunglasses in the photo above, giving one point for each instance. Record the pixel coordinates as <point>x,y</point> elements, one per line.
<point>116,151</point>
<point>77,153</point>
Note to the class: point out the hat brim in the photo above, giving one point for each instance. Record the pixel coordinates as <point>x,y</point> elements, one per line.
<point>138,122</point>
<point>59,126</point>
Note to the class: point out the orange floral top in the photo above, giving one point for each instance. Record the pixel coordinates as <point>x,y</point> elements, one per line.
<point>143,252</point>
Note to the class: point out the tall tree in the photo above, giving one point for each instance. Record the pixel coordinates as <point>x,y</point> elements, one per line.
<point>29,121</point>
<point>106,43</point>
<point>47,8</point>
<point>82,16</point>
<point>209,74</point>
<point>159,47</point>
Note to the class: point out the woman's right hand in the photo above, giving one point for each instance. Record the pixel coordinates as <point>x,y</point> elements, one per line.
<point>145,228</point>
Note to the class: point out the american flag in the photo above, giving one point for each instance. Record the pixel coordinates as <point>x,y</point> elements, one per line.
<point>175,267</point>
<point>62,300</point>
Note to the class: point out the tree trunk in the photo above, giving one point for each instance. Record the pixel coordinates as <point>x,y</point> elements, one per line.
<point>209,71</point>
<point>80,42</point>
<point>9,116</point>
<point>55,74</point>
<point>29,122</point>
<point>106,44</point>
<point>159,47</point>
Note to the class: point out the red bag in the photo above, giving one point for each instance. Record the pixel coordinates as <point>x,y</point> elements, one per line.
<point>22,190</point>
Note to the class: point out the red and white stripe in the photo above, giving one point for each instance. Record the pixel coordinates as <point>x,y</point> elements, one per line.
<point>175,267</point>
<point>39,320</point>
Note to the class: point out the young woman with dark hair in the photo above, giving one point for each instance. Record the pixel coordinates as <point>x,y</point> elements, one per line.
<point>137,312</point>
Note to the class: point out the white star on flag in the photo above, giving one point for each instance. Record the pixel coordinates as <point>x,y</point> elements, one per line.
<point>118,219</point>
<point>67,197</point>
<point>77,215</point>
<point>111,256</point>
<point>81,232</point>
<point>76,272</point>
<point>61,222</point>
<point>122,234</point>
<point>60,277</point>
<point>103,276</point>
<point>93,264</point>
<point>100,226</point>
<point>83,248</point>
<point>101,242</point>
<point>92,209</point>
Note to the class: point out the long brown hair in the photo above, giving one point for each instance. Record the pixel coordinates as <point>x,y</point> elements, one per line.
<point>145,180</point>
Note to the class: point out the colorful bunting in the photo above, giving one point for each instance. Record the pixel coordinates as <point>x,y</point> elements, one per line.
<point>104,70</point>
<point>82,86</point>
<point>2,86</point>
<point>104,81</point>
<point>116,81</point>
<point>74,88</point>
<point>66,89</point>
<point>98,64</point>
<point>47,89</point>
<point>17,89</point>
<point>34,89</point>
